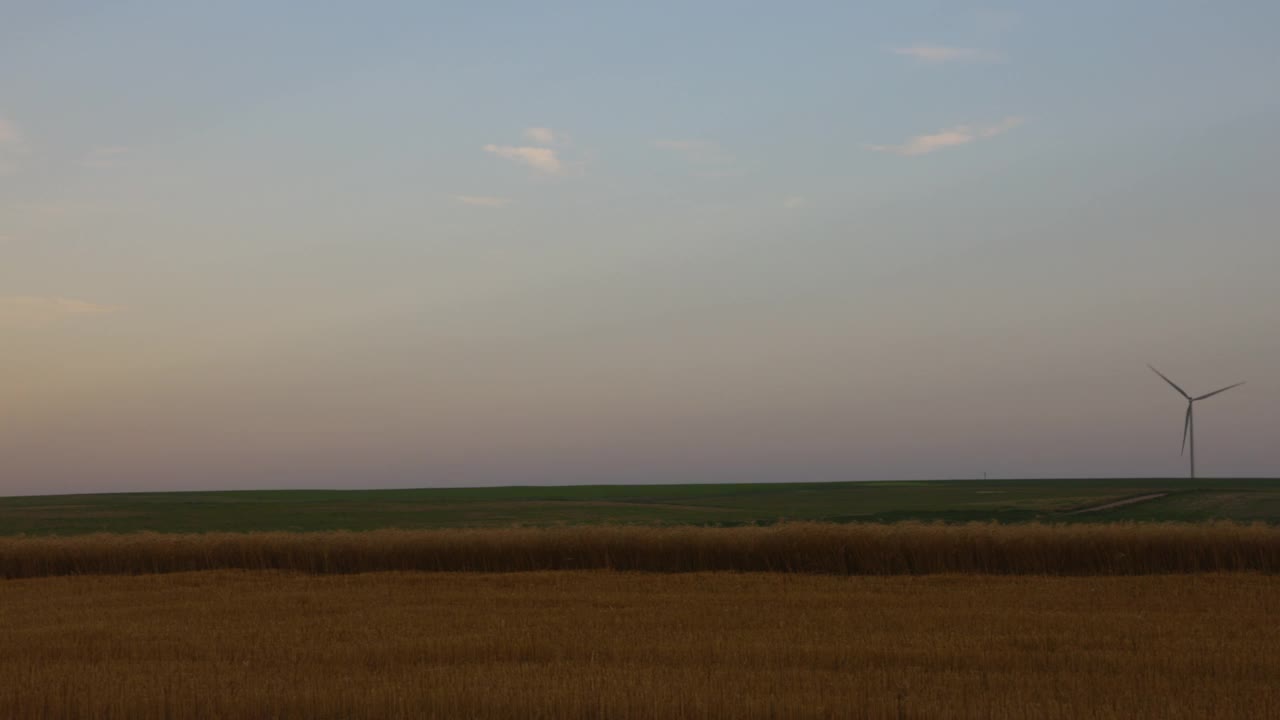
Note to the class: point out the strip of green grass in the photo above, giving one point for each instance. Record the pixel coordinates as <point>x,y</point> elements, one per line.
<point>722,505</point>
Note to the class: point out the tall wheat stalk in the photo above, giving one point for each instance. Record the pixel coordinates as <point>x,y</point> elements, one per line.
<point>858,549</point>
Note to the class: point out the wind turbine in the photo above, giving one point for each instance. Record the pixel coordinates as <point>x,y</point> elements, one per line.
<point>1189,427</point>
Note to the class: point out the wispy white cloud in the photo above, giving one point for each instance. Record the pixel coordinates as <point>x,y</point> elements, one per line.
<point>32,310</point>
<point>539,158</point>
<point>1001,127</point>
<point>481,200</point>
<point>796,202</point>
<point>945,54</point>
<point>959,135</point>
<point>105,156</point>
<point>544,136</point>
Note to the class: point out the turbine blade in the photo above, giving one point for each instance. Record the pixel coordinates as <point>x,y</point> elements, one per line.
<point>1185,427</point>
<point>1215,392</point>
<point>1181,392</point>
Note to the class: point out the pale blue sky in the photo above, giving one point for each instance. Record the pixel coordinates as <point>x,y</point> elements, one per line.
<point>249,244</point>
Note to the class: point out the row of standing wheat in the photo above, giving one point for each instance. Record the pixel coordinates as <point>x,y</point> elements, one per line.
<point>904,548</point>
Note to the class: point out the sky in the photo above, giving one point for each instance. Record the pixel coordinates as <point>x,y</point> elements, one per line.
<point>393,244</point>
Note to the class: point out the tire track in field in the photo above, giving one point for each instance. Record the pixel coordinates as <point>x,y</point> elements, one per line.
<point>1120,503</point>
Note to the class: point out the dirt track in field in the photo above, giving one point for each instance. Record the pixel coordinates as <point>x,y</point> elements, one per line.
<point>1119,503</point>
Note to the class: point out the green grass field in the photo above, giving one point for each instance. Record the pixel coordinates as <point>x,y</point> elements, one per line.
<point>727,505</point>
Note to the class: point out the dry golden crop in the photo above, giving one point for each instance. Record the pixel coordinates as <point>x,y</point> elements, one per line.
<point>856,549</point>
<point>600,644</point>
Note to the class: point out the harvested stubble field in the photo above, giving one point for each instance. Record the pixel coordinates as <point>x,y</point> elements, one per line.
<point>591,644</point>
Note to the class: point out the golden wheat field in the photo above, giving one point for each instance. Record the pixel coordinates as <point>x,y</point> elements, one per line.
<point>794,620</point>
<point>855,549</point>
<point>603,644</point>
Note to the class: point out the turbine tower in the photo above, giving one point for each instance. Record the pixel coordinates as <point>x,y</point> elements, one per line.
<point>1189,426</point>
